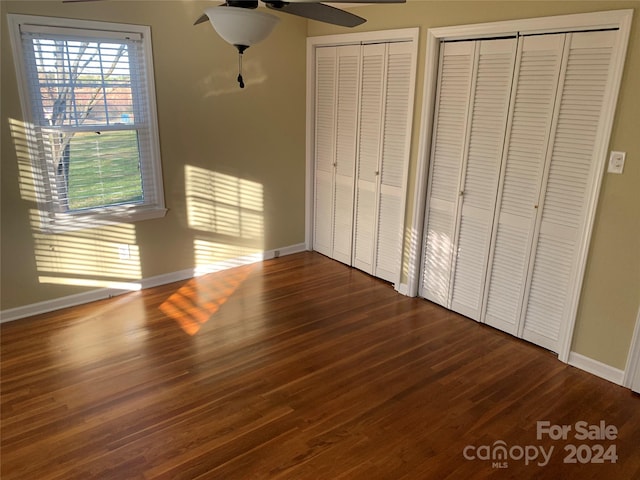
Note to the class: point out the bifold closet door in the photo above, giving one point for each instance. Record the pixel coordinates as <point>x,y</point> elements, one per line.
<point>385,125</point>
<point>363,114</point>
<point>337,83</point>
<point>548,183</point>
<point>505,230</point>
<point>569,187</point>
<point>369,149</point>
<point>398,108</point>
<point>324,154</point>
<point>536,84</point>
<point>346,134</point>
<point>487,121</point>
<point>473,91</point>
<point>450,125</point>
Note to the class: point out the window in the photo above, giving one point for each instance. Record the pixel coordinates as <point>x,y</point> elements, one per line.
<point>88,98</point>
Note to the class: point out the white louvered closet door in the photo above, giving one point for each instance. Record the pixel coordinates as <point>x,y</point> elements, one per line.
<point>348,63</point>
<point>393,170</point>
<point>337,81</point>
<point>536,215</point>
<point>492,80</point>
<point>369,149</point>
<point>363,113</point>
<point>537,69</point>
<point>325,127</point>
<point>568,188</point>
<point>450,122</point>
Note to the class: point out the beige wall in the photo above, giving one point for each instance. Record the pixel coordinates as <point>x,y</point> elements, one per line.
<point>258,135</point>
<point>611,290</point>
<point>205,121</point>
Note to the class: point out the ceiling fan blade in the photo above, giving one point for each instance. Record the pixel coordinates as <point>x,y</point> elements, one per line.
<point>201,19</point>
<point>317,11</point>
<point>348,1</point>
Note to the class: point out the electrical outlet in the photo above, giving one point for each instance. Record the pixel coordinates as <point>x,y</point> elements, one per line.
<point>123,252</point>
<point>616,162</point>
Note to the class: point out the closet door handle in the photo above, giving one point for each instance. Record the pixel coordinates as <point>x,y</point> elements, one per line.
<point>377,173</point>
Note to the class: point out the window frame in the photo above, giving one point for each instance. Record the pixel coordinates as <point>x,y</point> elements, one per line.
<point>54,216</point>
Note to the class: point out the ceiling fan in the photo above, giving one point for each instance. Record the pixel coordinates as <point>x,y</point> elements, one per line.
<point>240,24</point>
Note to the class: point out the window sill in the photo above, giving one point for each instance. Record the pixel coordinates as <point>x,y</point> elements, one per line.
<point>60,223</point>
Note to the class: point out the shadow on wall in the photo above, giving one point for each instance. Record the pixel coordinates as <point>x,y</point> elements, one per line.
<point>225,82</point>
<point>104,256</point>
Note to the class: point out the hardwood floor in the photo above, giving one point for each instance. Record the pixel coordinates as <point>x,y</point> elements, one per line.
<point>295,368</point>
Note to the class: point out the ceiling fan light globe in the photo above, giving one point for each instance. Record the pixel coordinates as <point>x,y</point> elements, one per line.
<point>241,26</point>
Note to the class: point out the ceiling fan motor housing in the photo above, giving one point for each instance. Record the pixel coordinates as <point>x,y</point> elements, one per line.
<point>242,3</point>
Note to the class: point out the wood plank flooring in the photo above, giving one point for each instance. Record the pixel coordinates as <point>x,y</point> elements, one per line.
<point>294,368</point>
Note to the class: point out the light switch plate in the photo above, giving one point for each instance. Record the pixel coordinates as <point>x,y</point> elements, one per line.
<point>616,162</point>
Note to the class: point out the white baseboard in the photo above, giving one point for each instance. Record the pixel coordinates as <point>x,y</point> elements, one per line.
<point>596,368</point>
<point>633,358</point>
<point>11,314</point>
<point>281,252</point>
<point>157,280</point>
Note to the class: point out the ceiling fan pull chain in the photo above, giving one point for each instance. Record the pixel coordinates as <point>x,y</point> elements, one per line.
<point>240,79</point>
